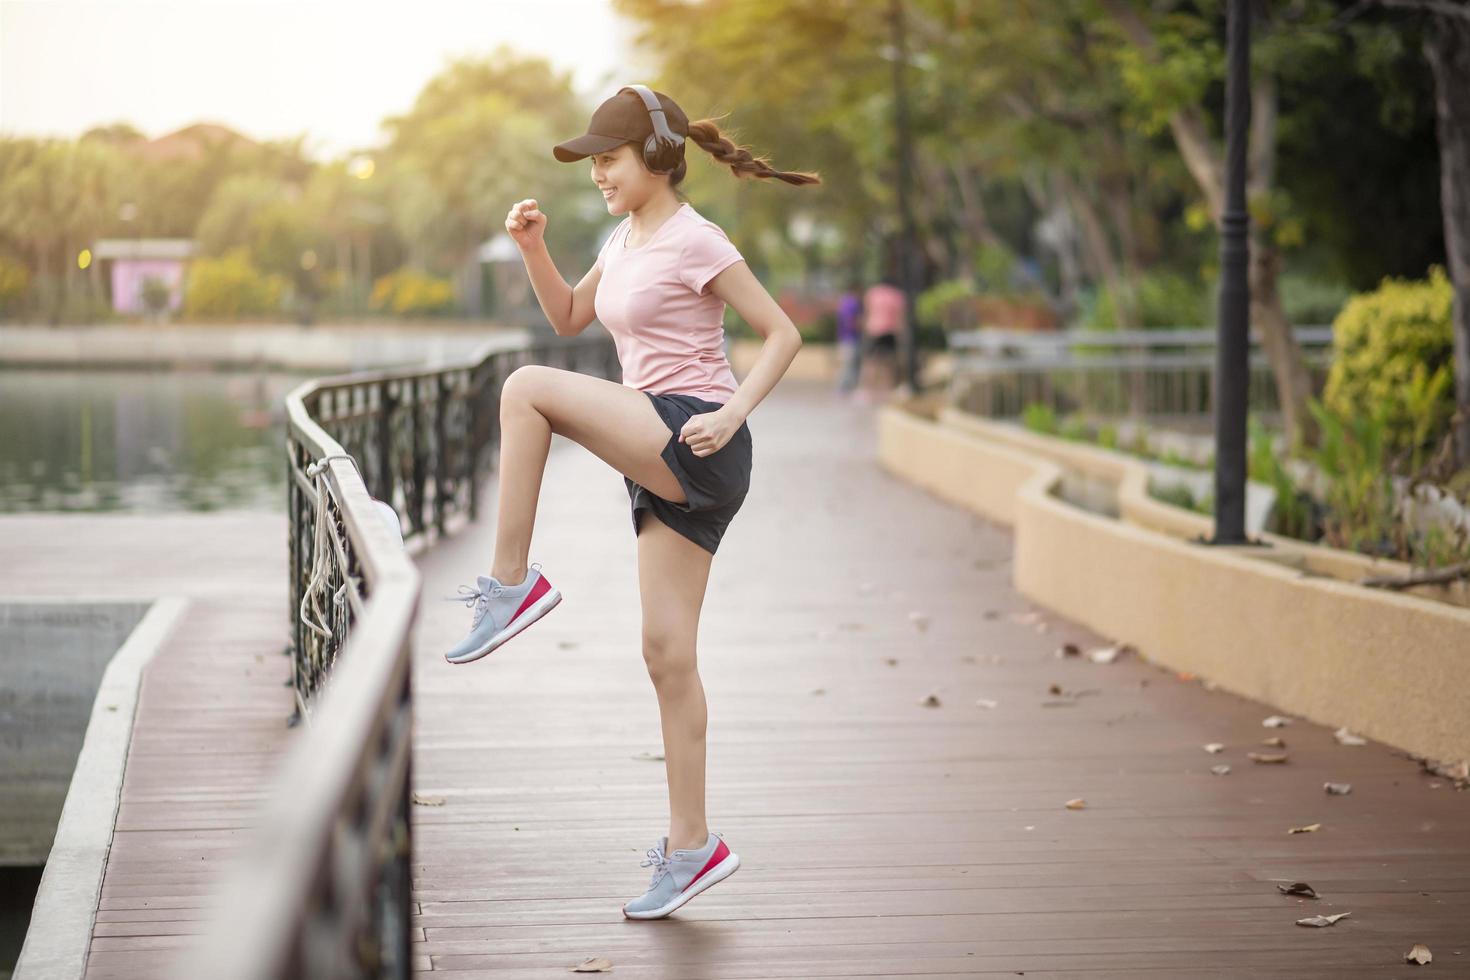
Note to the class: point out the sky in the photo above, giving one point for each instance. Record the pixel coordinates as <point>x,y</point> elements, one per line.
<point>273,69</point>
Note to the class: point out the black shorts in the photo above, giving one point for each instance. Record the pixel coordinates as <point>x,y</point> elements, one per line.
<point>883,343</point>
<point>715,485</point>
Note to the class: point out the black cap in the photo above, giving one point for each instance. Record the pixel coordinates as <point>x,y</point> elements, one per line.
<point>621,119</point>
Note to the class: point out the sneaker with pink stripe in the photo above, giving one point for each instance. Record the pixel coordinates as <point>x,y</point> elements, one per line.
<point>501,611</point>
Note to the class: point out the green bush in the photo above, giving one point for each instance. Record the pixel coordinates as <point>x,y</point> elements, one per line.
<point>15,279</point>
<point>1308,300</point>
<point>1394,350</point>
<point>408,292</point>
<point>230,285</point>
<point>1163,299</point>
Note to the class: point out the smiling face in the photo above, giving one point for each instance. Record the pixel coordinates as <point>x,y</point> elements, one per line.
<point>626,182</point>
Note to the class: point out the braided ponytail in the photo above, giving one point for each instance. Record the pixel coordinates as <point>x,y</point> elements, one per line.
<point>738,158</point>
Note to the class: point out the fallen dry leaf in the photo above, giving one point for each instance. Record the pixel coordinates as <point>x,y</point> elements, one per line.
<point>1054,689</point>
<point>891,661</point>
<point>1069,650</point>
<point>932,701</point>
<point>819,690</point>
<point>1077,804</point>
<point>1220,770</point>
<point>1276,721</point>
<point>1309,828</point>
<point>1275,741</point>
<point>592,964</point>
<point>1215,747</point>
<point>428,800</point>
<point>1419,955</point>
<point>1298,888</point>
<point>1338,789</point>
<point>1322,920</point>
<point>1267,757</point>
<point>1346,737</point>
<point>1185,675</point>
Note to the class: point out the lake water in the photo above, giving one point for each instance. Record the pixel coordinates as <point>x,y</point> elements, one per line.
<point>142,440</point>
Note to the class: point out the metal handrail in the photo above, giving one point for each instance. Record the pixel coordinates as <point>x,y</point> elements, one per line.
<point>322,888</point>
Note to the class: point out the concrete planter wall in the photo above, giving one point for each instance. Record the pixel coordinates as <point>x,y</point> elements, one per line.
<point>1276,624</point>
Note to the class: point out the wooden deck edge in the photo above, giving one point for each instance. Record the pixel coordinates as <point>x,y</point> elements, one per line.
<point>60,933</point>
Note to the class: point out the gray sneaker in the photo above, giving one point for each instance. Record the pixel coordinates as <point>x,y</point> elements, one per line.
<point>680,876</point>
<point>501,611</point>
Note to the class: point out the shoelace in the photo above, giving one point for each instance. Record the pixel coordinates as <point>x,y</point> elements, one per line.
<point>473,595</point>
<point>659,861</point>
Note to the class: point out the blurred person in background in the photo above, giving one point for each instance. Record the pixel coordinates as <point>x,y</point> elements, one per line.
<point>884,315</point>
<point>849,336</point>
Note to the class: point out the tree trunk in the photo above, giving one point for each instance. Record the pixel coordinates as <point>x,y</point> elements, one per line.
<point>1282,350</point>
<point>1203,160</point>
<point>1447,47</point>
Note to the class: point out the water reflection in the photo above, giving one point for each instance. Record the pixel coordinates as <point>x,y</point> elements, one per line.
<point>131,440</point>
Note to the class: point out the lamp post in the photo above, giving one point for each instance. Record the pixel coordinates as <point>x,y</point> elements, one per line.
<point>1233,344</point>
<point>908,240</point>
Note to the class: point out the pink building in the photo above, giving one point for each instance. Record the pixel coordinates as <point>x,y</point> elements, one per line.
<point>134,260</point>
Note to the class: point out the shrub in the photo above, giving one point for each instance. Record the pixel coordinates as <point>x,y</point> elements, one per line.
<point>1393,348</point>
<point>408,292</point>
<point>230,285</point>
<point>15,279</point>
<point>1163,299</point>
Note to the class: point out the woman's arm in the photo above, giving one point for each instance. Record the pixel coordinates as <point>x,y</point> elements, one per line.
<point>739,287</point>
<point>568,309</point>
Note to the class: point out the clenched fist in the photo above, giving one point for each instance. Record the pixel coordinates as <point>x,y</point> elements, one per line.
<point>525,223</point>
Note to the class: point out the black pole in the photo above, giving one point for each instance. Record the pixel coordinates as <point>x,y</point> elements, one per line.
<point>908,252</point>
<point>1233,343</point>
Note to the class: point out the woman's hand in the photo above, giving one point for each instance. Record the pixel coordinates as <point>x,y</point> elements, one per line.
<point>708,432</point>
<point>525,223</point>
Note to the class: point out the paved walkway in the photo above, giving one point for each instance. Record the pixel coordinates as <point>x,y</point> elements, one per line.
<point>880,836</point>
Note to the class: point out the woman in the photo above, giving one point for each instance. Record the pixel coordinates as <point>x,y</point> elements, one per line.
<point>675,428</point>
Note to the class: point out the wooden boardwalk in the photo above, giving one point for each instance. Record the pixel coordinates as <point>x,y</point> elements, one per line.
<point>879,836</point>
<point>211,717</point>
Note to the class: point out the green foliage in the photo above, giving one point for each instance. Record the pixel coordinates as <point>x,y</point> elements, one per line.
<point>1393,353</point>
<point>1162,299</point>
<point>1293,507</point>
<point>1307,299</point>
<point>230,285</point>
<point>996,266</point>
<point>1040,417</point>
<point>409,292</point>
<point>947,305</point>
<point>155,294</point>
<point>15,279</point>
<point>1353,454</point>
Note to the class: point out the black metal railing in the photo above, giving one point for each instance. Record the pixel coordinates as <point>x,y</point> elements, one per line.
<point>322,889</point>
<point>1161,374</point>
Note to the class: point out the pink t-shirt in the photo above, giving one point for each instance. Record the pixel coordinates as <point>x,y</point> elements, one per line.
<point>668,328</point>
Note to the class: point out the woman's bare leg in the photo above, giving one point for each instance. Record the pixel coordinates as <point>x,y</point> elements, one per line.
<point>672,574</point>
<point>616,423</point>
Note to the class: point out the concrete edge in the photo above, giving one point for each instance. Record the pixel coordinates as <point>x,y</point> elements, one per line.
<point>1323,649</point>
<point>59,937</point>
